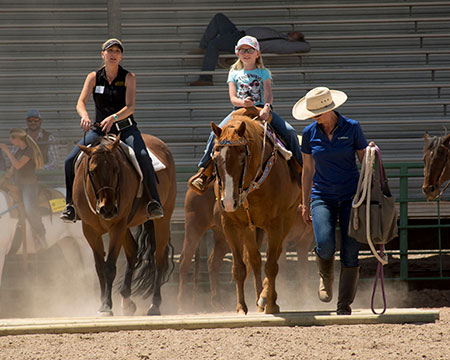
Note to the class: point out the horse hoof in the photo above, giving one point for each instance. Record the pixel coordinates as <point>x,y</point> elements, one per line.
<point>242,310</point>
<point>153,310</point>
<point>105,313</point>
<point>275,309</point>
<point>130,309</point>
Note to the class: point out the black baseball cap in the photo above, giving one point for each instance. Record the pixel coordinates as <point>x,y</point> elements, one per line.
<point>112,42</point>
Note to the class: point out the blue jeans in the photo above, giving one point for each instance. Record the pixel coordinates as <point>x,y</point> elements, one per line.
<point>30,194</point>
<point>132,137</point>
<point>281,127</point>
<point>220,35</point>
<point>325,213</point>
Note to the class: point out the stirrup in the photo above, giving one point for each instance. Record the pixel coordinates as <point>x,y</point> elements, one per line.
<point>154,210</point>
<point>200,182</point>
<point>69,215</point>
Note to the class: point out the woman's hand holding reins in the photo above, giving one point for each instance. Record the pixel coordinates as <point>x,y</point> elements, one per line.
<point>107,123</point>
<point>85,123</point>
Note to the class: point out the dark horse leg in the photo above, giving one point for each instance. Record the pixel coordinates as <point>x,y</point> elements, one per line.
<point>130,247</point>
<point>96,242</point>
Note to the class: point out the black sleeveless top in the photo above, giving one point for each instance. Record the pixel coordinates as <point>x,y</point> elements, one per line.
<point>109,99</point>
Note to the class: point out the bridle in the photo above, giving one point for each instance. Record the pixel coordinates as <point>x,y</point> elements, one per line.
<point>260,175</point>
<point>88,174</point>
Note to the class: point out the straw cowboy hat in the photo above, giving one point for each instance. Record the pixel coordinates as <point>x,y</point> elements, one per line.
<point>318,101</point>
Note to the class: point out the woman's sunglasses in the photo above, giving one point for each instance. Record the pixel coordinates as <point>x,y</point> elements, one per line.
<point>246,51</point>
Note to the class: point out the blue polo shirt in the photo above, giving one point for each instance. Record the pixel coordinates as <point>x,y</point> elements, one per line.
<point>336,173</point>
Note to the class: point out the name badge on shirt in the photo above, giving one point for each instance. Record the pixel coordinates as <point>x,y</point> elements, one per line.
<point>99,89</point>
<point>343,137</point>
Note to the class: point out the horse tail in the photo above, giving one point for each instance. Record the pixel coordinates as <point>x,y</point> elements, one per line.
<point>19,235</point>
<point>145,268</point>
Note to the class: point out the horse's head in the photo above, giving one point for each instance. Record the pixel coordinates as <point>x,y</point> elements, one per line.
<point>436,155</point>
<point>102,170</point>
<point>235,154</point>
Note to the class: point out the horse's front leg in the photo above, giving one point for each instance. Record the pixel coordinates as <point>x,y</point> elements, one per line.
<point>233,236</point>
<point>274,248</point>
<point>130,248</point>
<point>115,242</point>
<point>161,234</point>
<point>254,259</point>
<point>96,243</point>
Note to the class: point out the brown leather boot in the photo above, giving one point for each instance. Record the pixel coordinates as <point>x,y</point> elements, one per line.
<point>200,181</point>
<point>348,283</point>
<point>326,273</point>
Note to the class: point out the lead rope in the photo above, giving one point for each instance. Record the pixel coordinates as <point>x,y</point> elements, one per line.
<point>364,191</point>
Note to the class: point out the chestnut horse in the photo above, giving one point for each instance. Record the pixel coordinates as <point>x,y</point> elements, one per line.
<point>105,196</point>
<point>255,187</point>
<point>436,171</point>
<point>202,214</point>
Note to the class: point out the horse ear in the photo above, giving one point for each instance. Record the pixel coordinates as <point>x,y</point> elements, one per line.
<point>426,136</point>
<point>85,149</point>
<point>446,141</point>
<point>116,143</point>
<point>241,130</point>
<point>217,130</point>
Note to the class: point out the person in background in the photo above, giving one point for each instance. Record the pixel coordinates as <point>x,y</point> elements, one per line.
<point>2,162</point>
<point>249,84</point>
<point>330,176</point>
<point>222,35</point>
<point>114,91</point>
<point>24,163</point>
<point>44,139</point>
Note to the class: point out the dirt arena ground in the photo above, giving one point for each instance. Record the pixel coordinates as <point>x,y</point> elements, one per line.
<point>80,298</point>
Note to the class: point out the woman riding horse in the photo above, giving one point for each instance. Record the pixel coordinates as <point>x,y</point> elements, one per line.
<point>114,92</point>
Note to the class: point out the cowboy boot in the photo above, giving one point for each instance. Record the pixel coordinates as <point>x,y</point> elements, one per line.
<point>200,181</point>
<point>69,214</point>
<point>348,283</point>
<point>326,273</point>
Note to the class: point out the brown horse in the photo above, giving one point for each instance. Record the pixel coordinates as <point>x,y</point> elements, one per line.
<point>105,196</point>
<point>255,187</point>
<point>202,214</point>
<point>436,158</point>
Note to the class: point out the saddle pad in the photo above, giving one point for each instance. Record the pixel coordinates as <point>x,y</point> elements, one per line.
<point>279,145</point>
<point>128,150</point>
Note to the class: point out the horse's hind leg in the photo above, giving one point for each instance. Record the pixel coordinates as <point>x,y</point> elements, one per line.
<point>214,265</point>
<point>130,248</point>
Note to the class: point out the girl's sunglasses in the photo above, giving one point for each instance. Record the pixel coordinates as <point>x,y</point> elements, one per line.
<point>246,51</point>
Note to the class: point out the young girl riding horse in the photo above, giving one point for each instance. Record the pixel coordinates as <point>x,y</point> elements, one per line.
<point>114,92</point>
<point>249,84</point>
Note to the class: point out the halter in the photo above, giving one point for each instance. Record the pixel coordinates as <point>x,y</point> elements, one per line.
<point>260,176</point>
<point>88,174</point>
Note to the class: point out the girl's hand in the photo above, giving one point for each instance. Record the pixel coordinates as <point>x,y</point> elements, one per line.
<point>107,123</point>
<point>85,123</point>
<point>4,147</point>
<point>264,113</point>
<point>248,102</point>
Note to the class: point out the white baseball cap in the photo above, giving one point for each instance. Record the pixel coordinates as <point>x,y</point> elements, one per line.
<point>247,40</point>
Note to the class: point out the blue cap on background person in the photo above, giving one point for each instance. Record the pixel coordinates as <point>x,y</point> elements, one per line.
<point>33,113</point>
